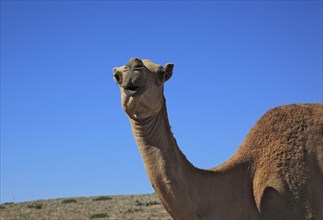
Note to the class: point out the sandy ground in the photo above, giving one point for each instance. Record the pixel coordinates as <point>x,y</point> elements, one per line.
<point>98,208</point>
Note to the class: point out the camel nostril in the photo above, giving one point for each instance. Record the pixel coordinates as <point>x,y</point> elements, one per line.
<point>117,77</point>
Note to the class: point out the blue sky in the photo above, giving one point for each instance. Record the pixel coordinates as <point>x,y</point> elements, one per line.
<point>63,131</point>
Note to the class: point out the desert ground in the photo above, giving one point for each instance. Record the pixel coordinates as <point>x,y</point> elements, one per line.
<point>145,206</point>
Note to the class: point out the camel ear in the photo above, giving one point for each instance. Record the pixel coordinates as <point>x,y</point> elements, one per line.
<point>168,68</point>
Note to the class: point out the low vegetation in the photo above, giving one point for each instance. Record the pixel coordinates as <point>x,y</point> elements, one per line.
<point>87,208</point>
<point>102,198</point>
<point>35,206</point>
<point>99,215</point>
<point>67,201</point>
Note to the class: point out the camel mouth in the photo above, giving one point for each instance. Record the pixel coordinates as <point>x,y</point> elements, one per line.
<point>133,90</point>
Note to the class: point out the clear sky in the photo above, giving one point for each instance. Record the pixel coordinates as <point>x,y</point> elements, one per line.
<point>63,131</point>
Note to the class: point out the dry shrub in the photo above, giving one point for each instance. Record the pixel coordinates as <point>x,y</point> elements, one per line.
<point>67,201</point>
<point>102,198</point>
<point>99,215</point>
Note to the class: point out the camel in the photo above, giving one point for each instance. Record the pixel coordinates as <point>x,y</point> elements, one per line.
<point>276,173</point>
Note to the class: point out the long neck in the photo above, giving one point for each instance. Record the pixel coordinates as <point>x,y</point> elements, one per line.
<point>164,161</point>
<point>185,191</point>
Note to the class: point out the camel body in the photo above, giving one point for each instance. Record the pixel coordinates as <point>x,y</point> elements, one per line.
<point>283,154</point>
<point>276,173</point>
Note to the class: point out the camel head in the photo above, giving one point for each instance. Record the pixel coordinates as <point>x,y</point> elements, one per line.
<point>141,84</point>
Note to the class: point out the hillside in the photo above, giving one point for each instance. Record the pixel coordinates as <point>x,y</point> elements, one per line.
<point>86,208</point>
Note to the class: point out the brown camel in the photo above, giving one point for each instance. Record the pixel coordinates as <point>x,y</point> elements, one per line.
<point>276,173</point>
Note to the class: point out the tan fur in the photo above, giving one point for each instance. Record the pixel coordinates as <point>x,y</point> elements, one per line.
<point>276,173</point>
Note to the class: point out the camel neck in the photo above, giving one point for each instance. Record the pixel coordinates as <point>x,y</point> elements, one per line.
<point>154,131</point>
<point>154,135</point>
<point>182,188</point>
<point>166,165</point>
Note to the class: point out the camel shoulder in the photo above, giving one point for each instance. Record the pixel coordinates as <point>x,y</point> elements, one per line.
<point>279,152</point>
<point>285,145</point>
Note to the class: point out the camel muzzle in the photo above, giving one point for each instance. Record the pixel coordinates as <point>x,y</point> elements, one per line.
<point>133,85</point>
